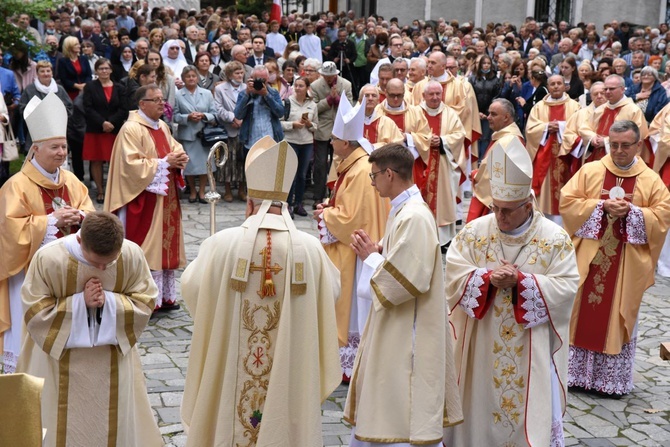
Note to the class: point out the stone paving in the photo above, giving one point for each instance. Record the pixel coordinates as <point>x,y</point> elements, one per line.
<point>640,419</point>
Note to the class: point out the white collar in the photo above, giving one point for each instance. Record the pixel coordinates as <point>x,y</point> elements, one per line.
<point>370,118</point>
<point>74,247</point>
<point>442,78</point>
<point>550,99</point>
<point>395,109</point>
<point>626,168</point>
<point>53,177</point>
<point>154,123</point>
<point>522,229</point>
<point>410,193</point>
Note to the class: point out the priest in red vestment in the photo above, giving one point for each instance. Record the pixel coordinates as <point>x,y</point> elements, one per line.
<point>144,174</point>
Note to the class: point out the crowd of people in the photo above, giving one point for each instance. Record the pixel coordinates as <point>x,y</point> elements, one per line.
<point>559,135</point>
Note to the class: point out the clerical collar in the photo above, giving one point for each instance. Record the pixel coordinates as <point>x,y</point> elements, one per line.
<point>370,118</point>
<point>442,78</point>
<point>395,109</point>
<point>617,104</point>
<point>551,99</point>
<point>625,168</point>
<point>154,123</point>
<point>53,177</point>
<point>522,229</point>
<point>74,247</point>
<point>409,193</point>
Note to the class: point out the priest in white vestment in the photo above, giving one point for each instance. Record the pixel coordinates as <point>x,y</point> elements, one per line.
<point>512,278</point>
<point>87,298</point>
<point>403,391</point>
<point>264,354</point>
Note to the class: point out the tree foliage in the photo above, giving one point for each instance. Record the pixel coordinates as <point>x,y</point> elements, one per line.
<point>11,34</point>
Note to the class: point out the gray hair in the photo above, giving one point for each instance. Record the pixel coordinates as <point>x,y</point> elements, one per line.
<point>619,79</point>
<point>260,69</point>
<point>312,63</point>
<point>624,126</point>
<point>86,23</point>
<point>237,49</point>
<point>650,70</point>
<point>430,84</point>
<point>187,69</point>
<point>506,105</point>
<point>386,68</point>
<point>142,39</point>
<point>421,62</point>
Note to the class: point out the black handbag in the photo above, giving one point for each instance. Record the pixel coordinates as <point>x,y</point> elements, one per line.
<point>212,134</point>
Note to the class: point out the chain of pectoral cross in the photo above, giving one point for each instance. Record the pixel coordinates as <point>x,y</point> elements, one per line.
<point>267,286</point>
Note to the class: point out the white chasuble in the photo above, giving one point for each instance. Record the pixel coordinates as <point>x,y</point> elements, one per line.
<point>511,344</point>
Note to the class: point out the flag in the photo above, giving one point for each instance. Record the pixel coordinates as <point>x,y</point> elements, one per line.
<point>275,12</point>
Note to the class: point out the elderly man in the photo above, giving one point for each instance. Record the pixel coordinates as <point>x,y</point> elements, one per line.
<point>262,296</point>
<point>378,129</point>
<point>144,174</point>
<point>572,143</point>
<point>501,120</point>
<point>411,122</point>
<point>564,50</point>
<point>192,43</point>
<point>618,211</point>
<point>617,108</point>
<point>385,74</point>
<point>400,69</point>
<point>239,54</point>
<point>439,183</point>
<point>353,205</point>
<point>403,389</point>
<point>544,135</point>
<point>512,279</point>
<point>415,74</point>
<point>87,298</point>
<point>343,53</point>
<point>141,48</point>
<point>38,205</point>
<point>327,91</point>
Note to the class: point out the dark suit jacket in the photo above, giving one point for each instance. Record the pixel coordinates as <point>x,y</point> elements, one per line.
<point>98,110</point>
<point>267,54</point>
<point>68,76</point>
<point>187,54</point>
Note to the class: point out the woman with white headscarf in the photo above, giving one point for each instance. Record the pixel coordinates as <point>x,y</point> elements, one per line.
<point>174,59</point>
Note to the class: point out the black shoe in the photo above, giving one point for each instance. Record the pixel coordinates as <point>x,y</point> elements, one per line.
<point>202,200</point>
<point>168,307</point>
<point>190,200</point>
<point>300,210</point>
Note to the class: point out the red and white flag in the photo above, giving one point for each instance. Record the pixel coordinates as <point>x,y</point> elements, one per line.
<point>275,13</point>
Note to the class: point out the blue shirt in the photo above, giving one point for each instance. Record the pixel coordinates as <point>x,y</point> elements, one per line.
<point>127,22</point>
<point>9,85</point>
<point>261,124</point>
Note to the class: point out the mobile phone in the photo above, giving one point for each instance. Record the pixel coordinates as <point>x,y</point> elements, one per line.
<point>304,116</point>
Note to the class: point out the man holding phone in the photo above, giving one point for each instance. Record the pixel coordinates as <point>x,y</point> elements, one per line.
<point>260,108</point>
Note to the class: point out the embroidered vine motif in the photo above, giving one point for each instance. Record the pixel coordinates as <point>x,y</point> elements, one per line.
<point>257,365</point>
<point>603,261</point>
<point>507,375</point>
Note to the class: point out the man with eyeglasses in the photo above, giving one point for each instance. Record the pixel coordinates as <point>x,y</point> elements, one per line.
<point>403,390</point>
<point>544,132</point>
<point>512,278</point>
<point>378,129</point>
<point>142,189</point>
<point>395,46</point>
<point>354,204</point>
<point>87,298</point>
<point>594,133</point>
<point>617,210</point>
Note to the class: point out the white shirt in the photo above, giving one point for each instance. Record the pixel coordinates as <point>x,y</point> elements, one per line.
<point>310,46</point>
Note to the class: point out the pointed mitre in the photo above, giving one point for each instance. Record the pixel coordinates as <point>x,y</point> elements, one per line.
<point>270,168</point>
<point>46,118</point>
<point>510,171</point>
<point>349,123</point>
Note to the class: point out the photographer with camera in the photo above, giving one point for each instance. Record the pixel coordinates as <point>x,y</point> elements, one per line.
<point>260,108</point>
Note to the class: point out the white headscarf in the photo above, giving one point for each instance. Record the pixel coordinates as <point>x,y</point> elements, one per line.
<point>176,65</point>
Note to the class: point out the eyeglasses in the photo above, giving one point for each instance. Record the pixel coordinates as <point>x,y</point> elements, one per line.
<point>395,96</point>
<point>155,100</point>
<point>607,89</point>
<point>505,211</point>
<point>624,146</point>
<point>396,45</point>
<point>374,174</point>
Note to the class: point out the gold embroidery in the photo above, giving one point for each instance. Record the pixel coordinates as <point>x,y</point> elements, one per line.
<point>267,285</point>
<point>63,390</point>
<point>113,397</point>
<point>257,365</point>
<point>401,279</point>
<point>241,267</point>
<point>603,258</point>
<point>299,271</point>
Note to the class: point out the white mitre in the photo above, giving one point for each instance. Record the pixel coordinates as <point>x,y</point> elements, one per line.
<point>46,118</point>
<point>270,168</point>
<point>349,123</point>
<point>510,171</point>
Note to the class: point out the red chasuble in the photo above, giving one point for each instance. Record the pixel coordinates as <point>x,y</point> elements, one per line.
<point>606,121</point>
<point>547,160</point>
<point>140,211</point>
<point>49,196</point>
<point>599,287</point>
<point>371,131</point>
<point>428,184</point>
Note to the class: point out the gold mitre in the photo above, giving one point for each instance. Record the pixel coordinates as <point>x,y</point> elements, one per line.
<point>510,171</point>
<point>46,118</point>
<point>270,169</point>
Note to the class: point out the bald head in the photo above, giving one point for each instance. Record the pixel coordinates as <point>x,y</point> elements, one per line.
<point>432,94</point>
<point>437,63</point>
<point>395,92</point>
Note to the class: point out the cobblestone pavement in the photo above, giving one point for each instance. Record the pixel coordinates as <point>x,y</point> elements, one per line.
<point>639,419</point>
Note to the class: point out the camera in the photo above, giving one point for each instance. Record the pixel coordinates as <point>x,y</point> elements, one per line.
<point>259,83</point>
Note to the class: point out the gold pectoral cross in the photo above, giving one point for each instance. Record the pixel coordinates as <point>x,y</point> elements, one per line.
<point>267,287</point>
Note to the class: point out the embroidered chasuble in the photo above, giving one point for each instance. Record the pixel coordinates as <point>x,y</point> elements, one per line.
<point>572,143</point>
<point>26,201</point>
<point>481,188</point>
<point>550,169</point>
<point>616,257</point>
<point>442,174</point>
<point>511,344</point>
<point>264,359</point>
<point>355,205</point>
<point>403,388</point>
<point>94,392</point>
<point>659,137</point>
<point>382,130</point>
<point>153,220</point>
